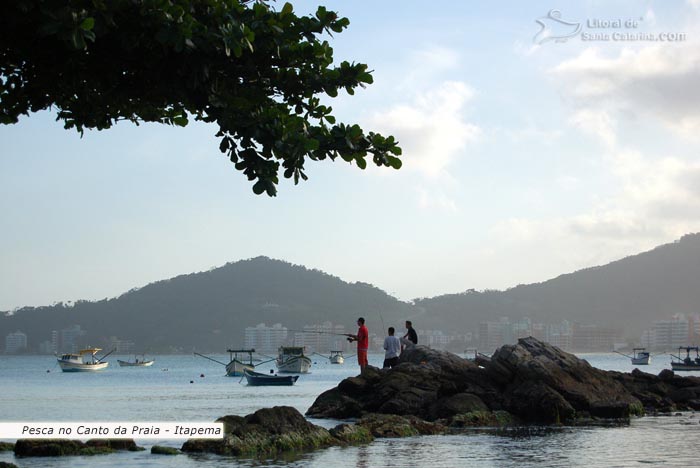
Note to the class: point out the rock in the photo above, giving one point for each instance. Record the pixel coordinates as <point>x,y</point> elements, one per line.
<point>66,447</point>
<point>532,382</point>
<point>391,425</point>
<point>7,465</point>
<point>6,446</point>
<point>268,431</point>
<point>162,450</point>
<point>414,387</point>
<point>352,434</point>
<point>481,419</point>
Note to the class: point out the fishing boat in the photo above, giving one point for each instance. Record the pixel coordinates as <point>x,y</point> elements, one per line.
<point>237,365</point>
<point>142,362</point>
<point>639,356</point>
<point>291,359</point>
<point>686,363</point>
<point>83,361</point>
<point>258,379</point>
<point>337,357</point>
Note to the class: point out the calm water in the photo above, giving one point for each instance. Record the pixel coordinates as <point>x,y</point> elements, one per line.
<point>174,390</point>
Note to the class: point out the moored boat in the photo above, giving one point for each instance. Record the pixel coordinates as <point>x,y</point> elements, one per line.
<point>258,379</point>
<point>640,357</point>
<point>686,363</point>
<point>142,362</point>
<point>83,361</point>
<point>236,365</point>
<point>292,359</point>
<point>337,357</point>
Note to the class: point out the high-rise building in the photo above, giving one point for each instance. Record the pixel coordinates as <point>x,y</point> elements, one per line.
<point>70,337</point>
<point>266,339</point>
<point>669,334</point>
<point>15,342</point>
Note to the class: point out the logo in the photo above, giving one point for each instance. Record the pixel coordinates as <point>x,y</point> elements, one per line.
<point>553,28</point>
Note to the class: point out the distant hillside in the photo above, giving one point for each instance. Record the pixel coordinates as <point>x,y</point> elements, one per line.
<point>630,293</point>
<point>210,310</point>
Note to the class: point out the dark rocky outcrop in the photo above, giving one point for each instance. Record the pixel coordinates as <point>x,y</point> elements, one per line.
<point>266,432</point>
<point>162,450</point>
<point>6,446</point>
<point>531,382</point>
<point>66,447</point>
<point>7,465</point>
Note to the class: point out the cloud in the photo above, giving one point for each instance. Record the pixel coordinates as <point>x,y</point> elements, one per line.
<point>432,128</point>
<point>657,81</point>
<point>435,200</point>
<point>596,122</point>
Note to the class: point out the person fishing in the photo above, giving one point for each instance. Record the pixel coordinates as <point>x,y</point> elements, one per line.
<point>411,337</point>
<point>392,347</point>
<point>362,339</point>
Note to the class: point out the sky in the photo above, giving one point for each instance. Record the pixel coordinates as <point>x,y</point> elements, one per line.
<point>539,138</point>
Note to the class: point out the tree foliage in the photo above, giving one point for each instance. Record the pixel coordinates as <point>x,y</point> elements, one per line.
<point>257,71</point>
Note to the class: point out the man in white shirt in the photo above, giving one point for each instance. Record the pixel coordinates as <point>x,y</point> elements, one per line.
<point>392,345</point>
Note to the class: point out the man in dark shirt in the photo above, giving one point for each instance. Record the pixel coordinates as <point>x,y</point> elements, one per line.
<point>411,336</point>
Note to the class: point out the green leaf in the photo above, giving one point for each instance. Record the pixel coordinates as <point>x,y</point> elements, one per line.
<point>311,145</point>
<point>286,9</point>
<point>259,187</point>
<point>394,162</point>
<point>361,163</point>
<point>87,24</point>
<point>180,121</point>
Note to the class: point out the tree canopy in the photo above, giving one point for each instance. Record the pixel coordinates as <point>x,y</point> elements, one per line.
<point>257,71</point>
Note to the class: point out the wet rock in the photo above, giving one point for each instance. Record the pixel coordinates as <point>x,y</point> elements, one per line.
<point>481,419</point>
<point>162,450</point>
<point>391,425</point>
<point>268,431</point>
<point>66,447</point>
<point>6,446</point>
<point>352,434</point>
<point>7,465</point>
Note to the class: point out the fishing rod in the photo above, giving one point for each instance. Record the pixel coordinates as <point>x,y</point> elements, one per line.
<point>211,359</point>
<point>100,359</point>
<point>320,332</point>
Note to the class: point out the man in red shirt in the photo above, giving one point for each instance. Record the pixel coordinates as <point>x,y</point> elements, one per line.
<point>362,339</point>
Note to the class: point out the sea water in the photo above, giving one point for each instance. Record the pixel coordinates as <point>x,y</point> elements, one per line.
<point>187,388</point>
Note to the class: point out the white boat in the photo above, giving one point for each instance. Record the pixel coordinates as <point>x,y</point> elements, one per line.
<point>82,361</point>
<point>337,357</point>
<point>640,357</point>
<point>236,366</point>
<point>292,359</point>
<point>143,362</point>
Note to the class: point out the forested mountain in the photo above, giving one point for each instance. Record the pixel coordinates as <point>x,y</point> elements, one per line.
<point>210,310</point>
<point>629,294</point>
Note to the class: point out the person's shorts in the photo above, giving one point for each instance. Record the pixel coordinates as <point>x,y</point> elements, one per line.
<point>362,357</point>
<point>391,362</point>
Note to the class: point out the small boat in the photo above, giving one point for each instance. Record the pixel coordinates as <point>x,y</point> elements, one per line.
<point>258,379</point>
<point>83,361</point>
<point>291,359</point>
<point>640,357</point>
<point>336,357</point>
<point>686,363</point>
<point>143,362</point>
<point>236,366</point>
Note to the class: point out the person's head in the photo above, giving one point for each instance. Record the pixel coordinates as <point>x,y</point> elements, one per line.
<point>361,321</point>
<point>409,324</point>
<point>391,331</point>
